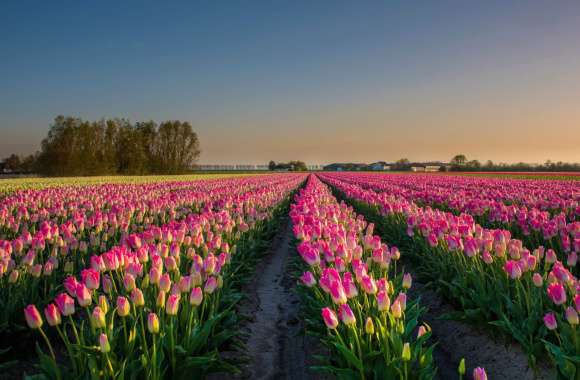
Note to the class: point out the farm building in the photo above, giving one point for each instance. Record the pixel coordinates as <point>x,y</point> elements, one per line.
<point>379,166</point>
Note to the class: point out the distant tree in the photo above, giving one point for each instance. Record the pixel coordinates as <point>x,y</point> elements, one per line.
<point>272,165</point>
<point>298,166</point>
<point>176,148</point>
<point>115,146</point>
<point>459,160</point>
<point>473,164</point>
<point>402,164</point>
<point>12,162</point>
<point>28,164</point>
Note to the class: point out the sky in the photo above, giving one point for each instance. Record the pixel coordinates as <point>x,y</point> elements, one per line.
<point>318,81</point>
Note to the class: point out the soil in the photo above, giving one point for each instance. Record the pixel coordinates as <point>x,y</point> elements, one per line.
<point>275,343</point>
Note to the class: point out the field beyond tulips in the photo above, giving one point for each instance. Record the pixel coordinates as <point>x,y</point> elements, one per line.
<point>152,277</point>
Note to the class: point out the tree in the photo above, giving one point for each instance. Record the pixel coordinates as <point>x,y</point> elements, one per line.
<point>272,165</point>
<point>459,160</point>
<point>176,148</point>
<point>402,164</point>
<point>298,166</point>
<point>28,164</point>
<point>75,147</point>
<point>12,163</point>
<point>473,164</point>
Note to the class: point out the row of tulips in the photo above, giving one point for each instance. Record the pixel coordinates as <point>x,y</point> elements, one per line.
<point>540,213</point>
<point>34,264</point>
<point>476,194</point>
<point>159,304</point>
<point>352,282</point>
<point>15,185</point>
<point>492,278</point>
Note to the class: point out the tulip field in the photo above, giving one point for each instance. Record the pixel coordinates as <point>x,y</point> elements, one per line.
<point>142,277</point>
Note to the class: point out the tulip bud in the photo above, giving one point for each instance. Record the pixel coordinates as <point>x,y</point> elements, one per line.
<point>153,323</point>
<point>537,279</point>
<point>461,368</point>
<point>369,326</point>
<point>160,300</point>
<point>13,276</point>
<point>172,306</point>
<point>479,374</point>
<point>407,281</point>
<point>137,297</point>
<point>406,355</point>
<point>52,315</point>
<point>83,295</point>
<point>33,318</point>
<point>571,315</point>
<point>129,282</point>
<point>329,318</point>
<point>396,309</point>
<point>123,307</point>
<point>104,304</point>
<point>165,283</point>
<point>383,301</point>
<point>98,318</point>
<point>104,343</point>
<point>65,303</point>
<point>346,315</point>
<point>196,296</point>
<point>550,321</point>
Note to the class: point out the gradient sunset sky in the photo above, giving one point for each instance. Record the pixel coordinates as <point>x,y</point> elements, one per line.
<point>319,81</point>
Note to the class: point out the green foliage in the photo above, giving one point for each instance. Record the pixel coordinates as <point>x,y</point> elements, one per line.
<point>74,147</point>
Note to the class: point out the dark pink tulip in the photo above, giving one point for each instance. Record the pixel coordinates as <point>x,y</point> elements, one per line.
<point>52,315</point>
<point>329,318</point>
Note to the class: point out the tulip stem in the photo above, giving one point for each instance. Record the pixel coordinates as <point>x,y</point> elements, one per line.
<point>67,344</point>
<point>47,343</point>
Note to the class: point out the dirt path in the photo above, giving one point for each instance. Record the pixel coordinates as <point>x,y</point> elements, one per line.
<point>275,344</point>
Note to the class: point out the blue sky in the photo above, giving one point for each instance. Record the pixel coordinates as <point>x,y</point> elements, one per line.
<point>320,81</point>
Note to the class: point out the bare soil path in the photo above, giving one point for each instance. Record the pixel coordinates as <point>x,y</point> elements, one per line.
<point>275,344</point>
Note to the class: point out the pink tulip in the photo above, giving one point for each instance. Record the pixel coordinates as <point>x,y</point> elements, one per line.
<point>83,295</point>
<point>210,285</point>
<point>346,315</point>
<point>98,318</point>
<point>137,297</point>
<point>308,279</point>
<point>52,315</point>
<point>123,307</point>
<point>383,301</point>
<point>33,317</point>
<point>557,293</point>
<point>165,283</point>
<point>479,374</point>
<point>550,321</point>
<point>172,306</point>
<point>407,281</point>
<point>196,296</point>
<point>329,318</point>
<point>104,343</point>
<point>65,303</point>
<point>91,278</point>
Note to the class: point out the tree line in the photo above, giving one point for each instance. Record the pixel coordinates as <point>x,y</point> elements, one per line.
<point>76,147</point>
<point>461,163</point>
<point>295,166</point>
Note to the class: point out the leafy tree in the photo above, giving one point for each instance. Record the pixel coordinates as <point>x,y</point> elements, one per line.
<point>12,162</point>
<point>459,160</point>
<point>272,165</point>
<point>115,146</point>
